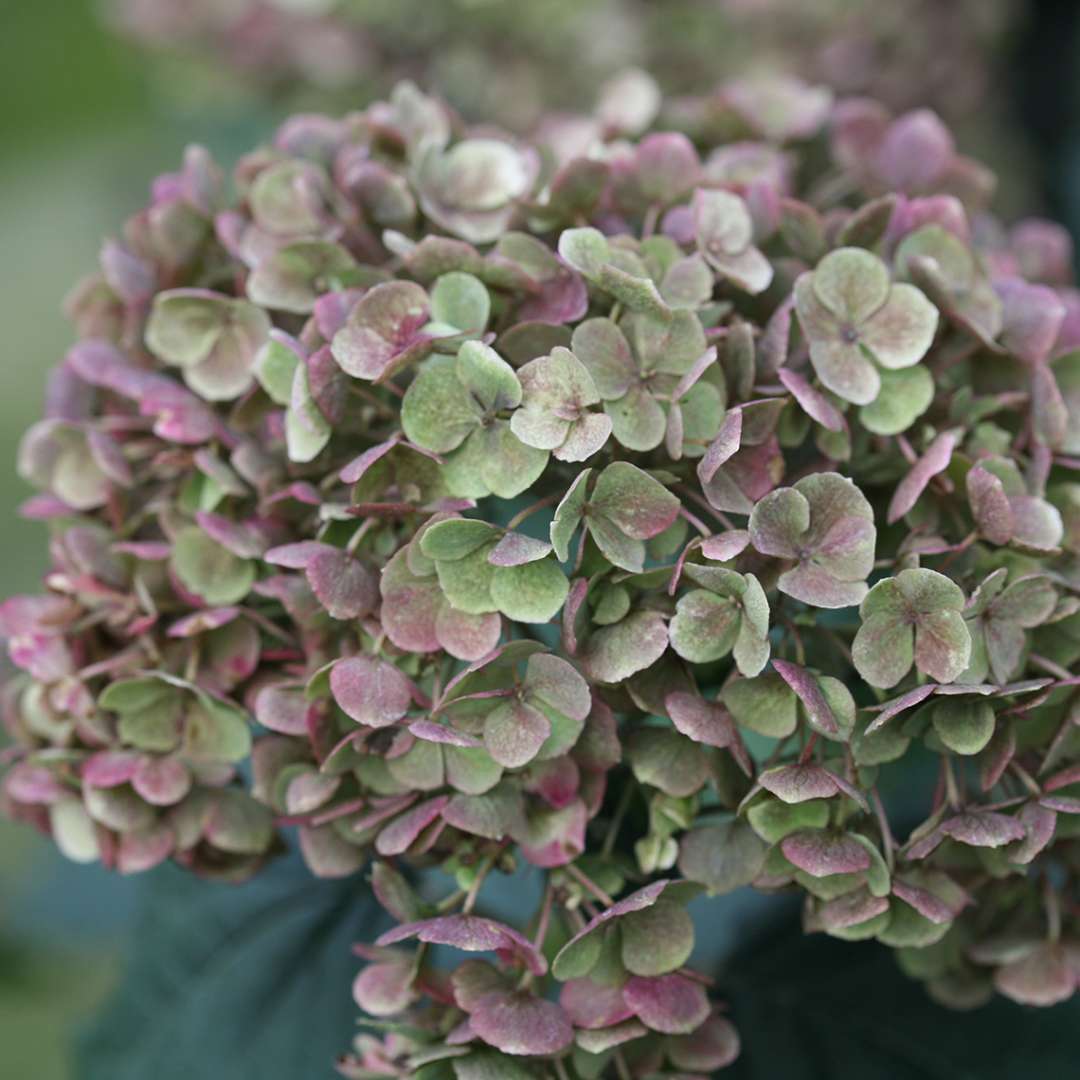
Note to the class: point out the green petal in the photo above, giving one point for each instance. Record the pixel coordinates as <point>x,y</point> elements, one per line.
<point>455,538</point>
<point>509,466</point>
<point>705,626</point>
<point>275,367</point>
<point>883,650</point>
<point>307,431</point>
<point>722,223</point>
<point>293,277</point>
<point>614,653</point>
<point>209,570</point>
<point>586,249</point>
<point>722,857</point>
<point>637,420</point>
<point>438,412</point>
<point>964,726</point>
<point>488,377</point>
<point>568,515</point>
<point>852,283</point>
<point>466,582</point>
<point>657,939</point>
<point>635,502</point>
<point>184,325</point>
<point>531,593</point>
<point>904,396</point>
<point>900,333</point>
<point>942,645</point>
<point>461,301</point>
<point>602,347</point>
<point>765,704</point>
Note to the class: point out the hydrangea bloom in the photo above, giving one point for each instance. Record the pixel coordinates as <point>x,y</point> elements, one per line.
<point>504,505</point>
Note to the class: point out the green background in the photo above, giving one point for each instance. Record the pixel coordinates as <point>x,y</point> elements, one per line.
<point>81,135</point>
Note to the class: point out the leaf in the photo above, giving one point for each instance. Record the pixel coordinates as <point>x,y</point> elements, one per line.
<point>790,988</point>
<point>210,963</point>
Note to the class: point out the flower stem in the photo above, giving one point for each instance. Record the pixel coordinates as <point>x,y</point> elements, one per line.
<point>521,515</point>
<point>586,882</point>
<point>617,819</point>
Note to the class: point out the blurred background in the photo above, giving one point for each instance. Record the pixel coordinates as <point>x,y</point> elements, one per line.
<point>102,96</point>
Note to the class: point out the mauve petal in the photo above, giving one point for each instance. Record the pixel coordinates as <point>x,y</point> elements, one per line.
<point>935,460</point>
<point>672,1004</point>
<point>593,1005</point>
<point>821,853</point>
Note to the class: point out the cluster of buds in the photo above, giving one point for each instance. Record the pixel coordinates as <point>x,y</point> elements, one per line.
<point>627,514</point>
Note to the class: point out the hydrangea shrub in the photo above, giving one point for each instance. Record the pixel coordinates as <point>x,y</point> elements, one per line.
<point>645,518</point>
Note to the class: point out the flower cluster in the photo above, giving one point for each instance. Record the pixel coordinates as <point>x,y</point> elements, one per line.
<point>641,518</point>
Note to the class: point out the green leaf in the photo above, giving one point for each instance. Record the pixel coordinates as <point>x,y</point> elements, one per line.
<point>209,963</point>
<point>791,988</point>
